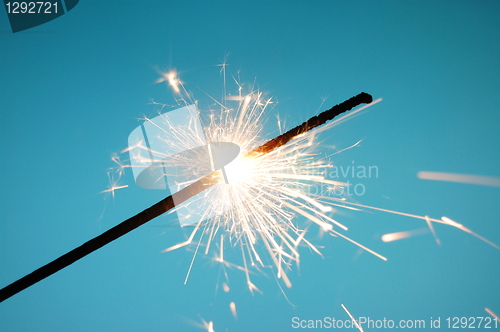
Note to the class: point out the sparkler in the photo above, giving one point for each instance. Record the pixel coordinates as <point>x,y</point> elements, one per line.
<point>267,219</point>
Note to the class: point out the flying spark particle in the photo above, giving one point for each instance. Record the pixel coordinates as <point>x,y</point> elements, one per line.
<point>232,306</point>
<point>353,319</point>
<point>492,314</point>
<point>482,180</point>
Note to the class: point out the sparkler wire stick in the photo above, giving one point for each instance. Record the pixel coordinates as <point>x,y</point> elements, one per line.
<point>362,98</point>
<point>168,202</point>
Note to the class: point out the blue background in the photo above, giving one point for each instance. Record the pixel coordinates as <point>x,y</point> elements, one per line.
<point>73,89</point>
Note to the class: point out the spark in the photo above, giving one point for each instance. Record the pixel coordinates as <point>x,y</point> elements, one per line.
<point>172,78</point>
<point>208,326</point>
<point>431,227</point>
<point>352,318</point>
<point>465,229</point>
<point>492,314</point>
<point>112,189</point>
<point>482,180</point>
<point>350,147</point>
<point>232,306</point>
<point>360,245</point>
<point>113,183</point>
<point>403,235</point>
